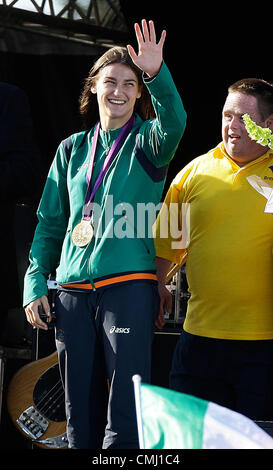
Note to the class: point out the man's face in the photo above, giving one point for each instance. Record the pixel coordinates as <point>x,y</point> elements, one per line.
<point>238,144</point>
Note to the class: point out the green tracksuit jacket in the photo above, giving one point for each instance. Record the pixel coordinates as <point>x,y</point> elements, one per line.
<point>132,187</point>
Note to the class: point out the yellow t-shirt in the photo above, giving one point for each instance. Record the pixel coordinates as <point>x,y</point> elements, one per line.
<point>229,249</point>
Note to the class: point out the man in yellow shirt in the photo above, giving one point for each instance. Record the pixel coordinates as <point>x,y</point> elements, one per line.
<point>225,351</point>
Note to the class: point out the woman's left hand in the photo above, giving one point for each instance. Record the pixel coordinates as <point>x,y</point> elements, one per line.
<point>150,54</point>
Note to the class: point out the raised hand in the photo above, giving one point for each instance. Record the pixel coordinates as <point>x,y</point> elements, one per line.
<point>150,54</point>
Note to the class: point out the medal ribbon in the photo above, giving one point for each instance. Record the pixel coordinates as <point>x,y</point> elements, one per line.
<point>106,164</point>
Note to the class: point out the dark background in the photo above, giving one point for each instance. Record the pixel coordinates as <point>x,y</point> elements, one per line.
<point>207,48</point>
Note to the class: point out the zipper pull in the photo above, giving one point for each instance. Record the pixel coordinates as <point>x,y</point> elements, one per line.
<point>107,142</point>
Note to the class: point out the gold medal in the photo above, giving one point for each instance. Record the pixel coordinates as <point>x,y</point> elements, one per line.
<point>82,234</point>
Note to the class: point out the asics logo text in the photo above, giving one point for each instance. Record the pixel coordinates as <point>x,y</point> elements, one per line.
<point>115,329</point>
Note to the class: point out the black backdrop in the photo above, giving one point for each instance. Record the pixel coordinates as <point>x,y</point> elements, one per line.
<point>209,46</point>
<point>53,84</point>
<point>206,49</point>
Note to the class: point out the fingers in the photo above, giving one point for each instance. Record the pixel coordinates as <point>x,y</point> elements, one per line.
<point>162,39</point>
<point>160,321</point>
<point>152,31</point>
<point>46,307</point>
<point>140,40</point>
<point>150,54</point>
<point>166,299</point>
<point>139,36</point>
<point>132,53</point>
<point>148,33</point>
<point>32,312</point>
<point>145,30</point>
<point>169,303</point>
<point>162,307</point>
<point>165,305</point>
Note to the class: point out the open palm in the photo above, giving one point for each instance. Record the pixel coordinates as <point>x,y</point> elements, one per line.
<point>150,54</point>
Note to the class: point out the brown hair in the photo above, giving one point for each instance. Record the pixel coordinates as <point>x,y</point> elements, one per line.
<point>88,101</point>
<point>261,89</point>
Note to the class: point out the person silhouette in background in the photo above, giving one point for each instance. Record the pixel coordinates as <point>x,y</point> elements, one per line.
<point>18,182</point>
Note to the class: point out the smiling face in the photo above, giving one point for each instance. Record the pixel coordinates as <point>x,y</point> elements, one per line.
<point>235,137</point>
<point>117,89</point>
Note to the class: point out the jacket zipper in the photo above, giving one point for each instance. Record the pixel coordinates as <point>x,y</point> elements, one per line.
<point>136,232</point>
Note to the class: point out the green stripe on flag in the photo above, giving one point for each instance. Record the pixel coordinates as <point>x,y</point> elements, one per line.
<point>171,420</point>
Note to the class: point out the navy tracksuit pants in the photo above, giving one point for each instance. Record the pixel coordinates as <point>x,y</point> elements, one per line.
<point>103,338</point>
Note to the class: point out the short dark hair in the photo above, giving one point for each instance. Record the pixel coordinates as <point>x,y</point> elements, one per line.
<point>88,101</point>
<point>261,89</point>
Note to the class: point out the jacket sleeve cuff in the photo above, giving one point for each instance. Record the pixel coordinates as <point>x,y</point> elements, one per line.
<point>148,79</point>
<point>35,286</point>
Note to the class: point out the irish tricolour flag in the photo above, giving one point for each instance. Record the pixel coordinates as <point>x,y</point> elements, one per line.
<point>172,420</point>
